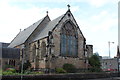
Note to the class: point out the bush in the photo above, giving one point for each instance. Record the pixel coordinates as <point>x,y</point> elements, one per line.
<point>60,70</point>
<point>37,72</point>
<point>70,68</point>
<point>10,70</point>
<point>0,71</point>
<point>26,66</point>
<point>94,69</point>
<point>8,66</point>
<point>7,73</point>
<point>94,61</point>
<point>27,72</point>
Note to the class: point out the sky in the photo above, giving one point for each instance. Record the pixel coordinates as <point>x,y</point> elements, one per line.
<point>97,19</point>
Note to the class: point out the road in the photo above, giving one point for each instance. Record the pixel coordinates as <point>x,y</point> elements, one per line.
<point>114,78</point>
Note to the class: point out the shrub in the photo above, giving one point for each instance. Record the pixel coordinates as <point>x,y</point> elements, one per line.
<point>10,70</point>
<point>0,71</point>
<point>27,72</point>
<point>94,69</point>
<point>94,61</point>
<point>7,73</point>
<point>70,68</point>
<point>60,70</point>
<point>37,72</point>
<point>26,66</point>
<point>8,66</point>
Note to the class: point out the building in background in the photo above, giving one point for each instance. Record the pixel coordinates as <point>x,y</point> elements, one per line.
<point>109,64</point>
<point>118,57</point>
<point>9,56</point>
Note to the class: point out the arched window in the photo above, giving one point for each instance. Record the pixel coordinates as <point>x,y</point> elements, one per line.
<point>14,62</point>
<point>33,53</point>
<point>9,62</point>
<point>43,49</point>
<point>69,40</point>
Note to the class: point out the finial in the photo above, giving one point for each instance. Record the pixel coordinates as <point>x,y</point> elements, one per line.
<point>68,7</point>
<point>20,30</point>
<point>47,12</point>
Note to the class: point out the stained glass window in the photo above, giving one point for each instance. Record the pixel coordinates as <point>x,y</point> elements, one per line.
<point>33,53</point>
<point>43,49</point>
<point>69,40</point>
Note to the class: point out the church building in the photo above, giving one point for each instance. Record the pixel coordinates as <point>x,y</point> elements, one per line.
<point>49,44</point>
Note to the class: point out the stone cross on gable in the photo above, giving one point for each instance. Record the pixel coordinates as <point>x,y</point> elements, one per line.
<point>68,7</point>
<point>47,12</point>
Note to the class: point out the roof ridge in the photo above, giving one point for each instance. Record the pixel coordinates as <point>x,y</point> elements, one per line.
<point>39,24</point>
<point>29,30</point>
<point>14,38</point>
<point>49,27</point>
<point>61,18</point>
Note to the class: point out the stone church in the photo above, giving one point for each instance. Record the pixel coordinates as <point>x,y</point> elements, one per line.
<point>49,44</point>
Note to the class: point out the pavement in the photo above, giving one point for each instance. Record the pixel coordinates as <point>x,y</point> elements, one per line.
<point>112,78</point>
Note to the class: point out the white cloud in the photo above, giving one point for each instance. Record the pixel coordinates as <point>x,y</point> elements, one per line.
<point>99,3</point>
<point>14,18</point>
<point>95,3</point>
<point>98,29</point>
<point>100,22</point>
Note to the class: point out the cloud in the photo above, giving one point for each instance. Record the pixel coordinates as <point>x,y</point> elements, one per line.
<point>95,3</point>
<point>14,18</point>
<point>100,3</point>
<point>99,28</point>
<point>102,21</point>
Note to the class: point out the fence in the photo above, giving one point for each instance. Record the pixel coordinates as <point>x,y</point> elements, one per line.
<point>78,76</point>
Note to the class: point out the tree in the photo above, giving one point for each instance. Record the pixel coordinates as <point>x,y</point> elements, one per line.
<point>95,63</point>
<point>26,66</point>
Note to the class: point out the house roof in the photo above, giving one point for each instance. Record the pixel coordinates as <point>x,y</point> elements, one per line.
<point>13,53</point>
<point>23,35</point>
<point>48,28</point>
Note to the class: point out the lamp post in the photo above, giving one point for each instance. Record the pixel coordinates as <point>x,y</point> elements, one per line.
<point>22,59</point>
<point>118,57</point>
<point>118,60</point>
<point>109,46</point>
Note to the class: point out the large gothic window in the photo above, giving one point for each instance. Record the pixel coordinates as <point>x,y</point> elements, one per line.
<point>69,40</point>
<point>43,49</point>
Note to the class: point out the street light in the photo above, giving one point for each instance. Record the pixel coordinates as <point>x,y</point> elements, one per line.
<point>109,46</point>
<point>22,58</point>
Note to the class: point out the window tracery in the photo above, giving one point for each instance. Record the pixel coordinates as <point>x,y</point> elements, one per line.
<point>69,40</point>
<point>43,49</point>
<point>33,53</point>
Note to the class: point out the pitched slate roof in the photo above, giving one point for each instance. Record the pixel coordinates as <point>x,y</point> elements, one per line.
<point>23,35</point>
<point>48,28</point>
